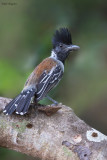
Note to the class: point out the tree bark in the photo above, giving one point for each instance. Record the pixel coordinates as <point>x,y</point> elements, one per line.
<point>61,136</point>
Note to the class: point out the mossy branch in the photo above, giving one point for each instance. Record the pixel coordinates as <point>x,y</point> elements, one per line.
<point>61,136</point>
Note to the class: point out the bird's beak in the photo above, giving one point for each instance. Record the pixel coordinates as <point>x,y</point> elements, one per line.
<point>73,47</point>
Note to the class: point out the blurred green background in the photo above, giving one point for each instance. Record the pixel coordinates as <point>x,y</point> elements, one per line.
<point>26,30</point>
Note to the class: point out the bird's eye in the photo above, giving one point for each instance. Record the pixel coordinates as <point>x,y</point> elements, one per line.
<point>60,45</point>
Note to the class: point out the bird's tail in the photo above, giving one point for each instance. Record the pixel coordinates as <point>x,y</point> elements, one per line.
<point>21,103</point>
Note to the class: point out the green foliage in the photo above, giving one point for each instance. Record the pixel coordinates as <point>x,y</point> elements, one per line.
<point>10,78</point>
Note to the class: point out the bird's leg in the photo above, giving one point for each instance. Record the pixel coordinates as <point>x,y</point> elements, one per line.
<point>52,100</point>
<point>35,105</point>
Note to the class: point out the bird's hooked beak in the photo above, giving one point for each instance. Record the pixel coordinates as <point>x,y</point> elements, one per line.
<point>73,48</point>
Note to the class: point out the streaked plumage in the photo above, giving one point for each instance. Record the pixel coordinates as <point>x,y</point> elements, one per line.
<point>45,76</point>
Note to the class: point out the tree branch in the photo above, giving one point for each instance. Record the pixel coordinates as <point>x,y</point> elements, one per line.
<point>62,136</point>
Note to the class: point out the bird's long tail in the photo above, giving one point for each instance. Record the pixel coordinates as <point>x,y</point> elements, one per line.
<point>21,103</point>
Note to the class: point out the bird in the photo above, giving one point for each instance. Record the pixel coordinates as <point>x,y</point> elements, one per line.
<point>45,76</point>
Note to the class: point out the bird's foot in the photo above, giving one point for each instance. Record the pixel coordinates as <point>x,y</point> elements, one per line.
<point>54,104</point>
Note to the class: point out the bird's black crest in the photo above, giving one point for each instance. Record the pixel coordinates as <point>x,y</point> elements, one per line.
<point>61,36</point>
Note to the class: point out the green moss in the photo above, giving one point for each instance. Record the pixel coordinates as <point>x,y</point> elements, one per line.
<point>3,124</point>
<point>67,151</point>
<point>19,126</point>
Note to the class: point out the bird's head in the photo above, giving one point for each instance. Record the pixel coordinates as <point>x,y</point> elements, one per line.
<point>62,44</point>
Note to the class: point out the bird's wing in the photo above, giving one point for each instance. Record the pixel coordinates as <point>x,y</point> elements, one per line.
<point>47,81</point>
